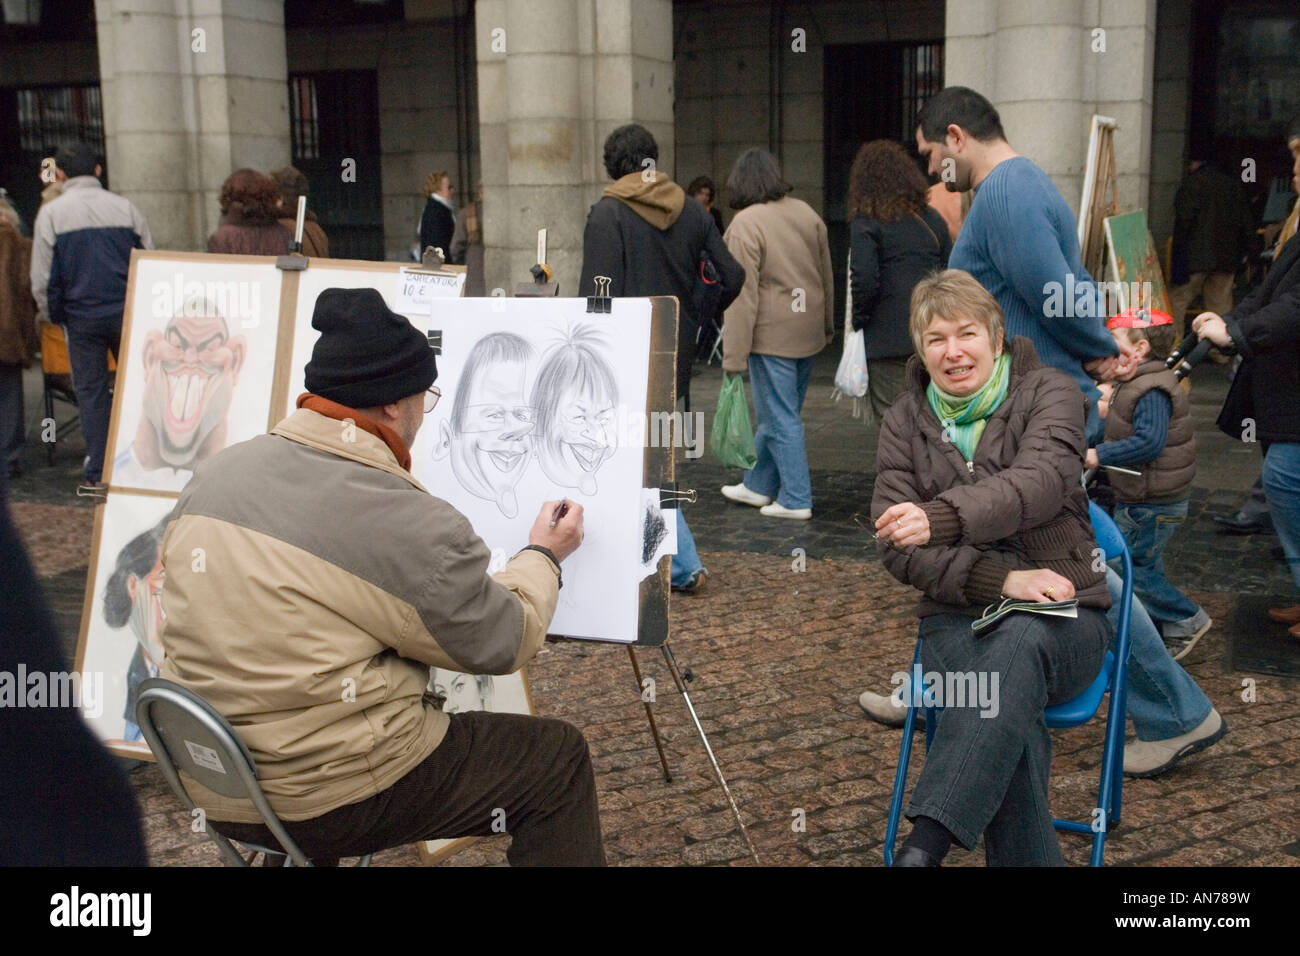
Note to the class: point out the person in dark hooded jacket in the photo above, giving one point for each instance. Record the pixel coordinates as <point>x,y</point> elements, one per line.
<point>649,240</point>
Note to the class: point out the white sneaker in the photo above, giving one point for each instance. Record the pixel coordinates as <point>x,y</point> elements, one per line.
<point>775,510</point>
<point>1149,758</point>
<point>743,495</point>
<point>1193,629</point>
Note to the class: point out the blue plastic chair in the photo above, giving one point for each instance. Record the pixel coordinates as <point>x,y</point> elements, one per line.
<point>1113,680</point>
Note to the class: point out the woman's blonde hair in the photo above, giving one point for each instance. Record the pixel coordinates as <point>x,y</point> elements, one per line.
<point>433,181</point>
<point>950,294</point>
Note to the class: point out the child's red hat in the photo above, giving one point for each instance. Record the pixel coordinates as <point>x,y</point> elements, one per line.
<point>1139,318</point>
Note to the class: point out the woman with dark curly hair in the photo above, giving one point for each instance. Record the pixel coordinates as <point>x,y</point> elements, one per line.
<point>896,239</point>
<point>250,211</point>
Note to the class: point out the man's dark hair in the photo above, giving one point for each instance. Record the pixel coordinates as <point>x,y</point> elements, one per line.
<point>1161,338</point>
<point>77,159</point>
<point>959,106</point>
<point>702,182</point>
<point>1293,130</point>
<point>627,149</point>
<point>756,178</point>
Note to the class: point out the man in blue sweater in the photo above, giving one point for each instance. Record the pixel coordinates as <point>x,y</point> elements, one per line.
<point>1019,240</point>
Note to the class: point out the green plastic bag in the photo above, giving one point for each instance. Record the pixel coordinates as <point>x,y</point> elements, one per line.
<point>732,439</point>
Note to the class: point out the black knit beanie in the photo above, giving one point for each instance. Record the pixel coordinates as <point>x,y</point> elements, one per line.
<point>367,355</point>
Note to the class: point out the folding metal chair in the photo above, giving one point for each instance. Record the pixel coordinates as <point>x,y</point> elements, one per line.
<point>186,733</point>
<point>1112,680</point>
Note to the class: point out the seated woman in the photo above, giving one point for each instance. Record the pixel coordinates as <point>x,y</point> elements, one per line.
<point>978,497</point>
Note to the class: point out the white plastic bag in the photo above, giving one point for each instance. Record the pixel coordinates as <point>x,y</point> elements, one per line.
<point>851,376</point>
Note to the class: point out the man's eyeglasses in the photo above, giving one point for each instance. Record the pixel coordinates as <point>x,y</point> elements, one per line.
<point>431,398</point>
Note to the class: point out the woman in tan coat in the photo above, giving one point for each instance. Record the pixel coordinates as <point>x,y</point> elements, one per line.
<point>782,318</point>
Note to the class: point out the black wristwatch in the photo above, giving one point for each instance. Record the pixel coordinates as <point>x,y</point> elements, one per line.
<point>559,576</point>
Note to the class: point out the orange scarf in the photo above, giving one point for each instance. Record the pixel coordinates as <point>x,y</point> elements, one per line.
<point>340,412</point>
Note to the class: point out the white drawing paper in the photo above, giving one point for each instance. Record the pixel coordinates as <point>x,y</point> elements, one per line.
<point>314,280</point>
<point>544,402</point>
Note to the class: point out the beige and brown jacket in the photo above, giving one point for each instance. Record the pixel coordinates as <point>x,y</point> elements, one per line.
<point>311,581</point>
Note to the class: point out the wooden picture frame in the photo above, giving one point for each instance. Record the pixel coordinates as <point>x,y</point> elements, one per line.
<point>115,629</point>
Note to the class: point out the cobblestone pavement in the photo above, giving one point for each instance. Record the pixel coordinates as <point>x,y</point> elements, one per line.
<point>779,657</point>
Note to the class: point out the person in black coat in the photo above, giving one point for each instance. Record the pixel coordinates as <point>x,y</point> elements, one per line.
<point>64,801</point>
<point>1263,403</point>
<point>646,236</point>
<point>648,239</point>
<point>704,192</point>
<point>896,239</point>
<point>438,221</point>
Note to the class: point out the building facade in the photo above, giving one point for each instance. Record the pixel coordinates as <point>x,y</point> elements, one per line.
<point>369,96</point>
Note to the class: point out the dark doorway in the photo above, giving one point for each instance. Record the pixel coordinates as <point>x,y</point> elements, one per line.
<point>334,124</point>
<point>33,123</point>
<point>872,91</point>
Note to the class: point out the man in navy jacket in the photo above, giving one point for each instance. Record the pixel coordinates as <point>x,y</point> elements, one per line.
<point>81,252</point>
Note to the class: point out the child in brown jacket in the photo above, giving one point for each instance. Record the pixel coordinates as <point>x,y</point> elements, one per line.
<point>1149,429</point>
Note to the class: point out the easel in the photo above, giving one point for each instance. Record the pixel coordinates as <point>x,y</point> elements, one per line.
<point>659,473</point>
<point>1100,194</point>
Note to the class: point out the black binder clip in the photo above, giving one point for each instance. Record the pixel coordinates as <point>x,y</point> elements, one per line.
<point>601,302</point>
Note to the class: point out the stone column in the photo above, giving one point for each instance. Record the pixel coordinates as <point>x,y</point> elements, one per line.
<point>192,90</point>
<point>554,78</point>
<point>1048,67</point>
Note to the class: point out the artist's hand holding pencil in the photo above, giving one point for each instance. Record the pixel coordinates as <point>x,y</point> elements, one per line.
<point>558,527</point>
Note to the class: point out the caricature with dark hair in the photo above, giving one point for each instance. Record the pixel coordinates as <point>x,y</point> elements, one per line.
<point>134,594</point>
<point>575,398</point>
<point>489,434</point>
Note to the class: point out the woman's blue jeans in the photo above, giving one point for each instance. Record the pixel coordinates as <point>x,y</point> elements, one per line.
<point>1163,700</point>
<point>686,562</point>
<point>781,472</point>
<point>1282,488</point>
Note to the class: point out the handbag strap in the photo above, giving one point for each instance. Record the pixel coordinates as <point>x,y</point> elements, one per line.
<point>937,243</point>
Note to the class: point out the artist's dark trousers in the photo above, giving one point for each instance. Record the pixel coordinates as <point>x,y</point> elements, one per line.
<point>528,776</point>
<point>89,342</point>
<point>989,774</point>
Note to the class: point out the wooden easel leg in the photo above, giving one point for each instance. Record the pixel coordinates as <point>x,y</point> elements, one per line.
<point>717,771</point>
<point>649,714</point>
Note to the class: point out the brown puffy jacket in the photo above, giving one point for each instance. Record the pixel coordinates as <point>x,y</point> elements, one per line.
<point>17,308</point>
<point>1018,505</point>
<point>1168,477</point>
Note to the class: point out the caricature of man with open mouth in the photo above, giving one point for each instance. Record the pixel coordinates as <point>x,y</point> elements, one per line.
<point>489,434</point>
<point>191,368</point>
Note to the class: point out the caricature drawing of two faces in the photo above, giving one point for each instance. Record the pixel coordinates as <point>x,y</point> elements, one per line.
<point>497,424</point>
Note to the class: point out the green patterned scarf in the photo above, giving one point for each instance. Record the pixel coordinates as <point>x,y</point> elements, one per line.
<point>964,418</point>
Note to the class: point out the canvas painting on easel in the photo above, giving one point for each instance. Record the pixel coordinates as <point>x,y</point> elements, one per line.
<point>122,615</point>
<point>543,401</point>
<point>198,360</point>
<point>1132,261</point>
